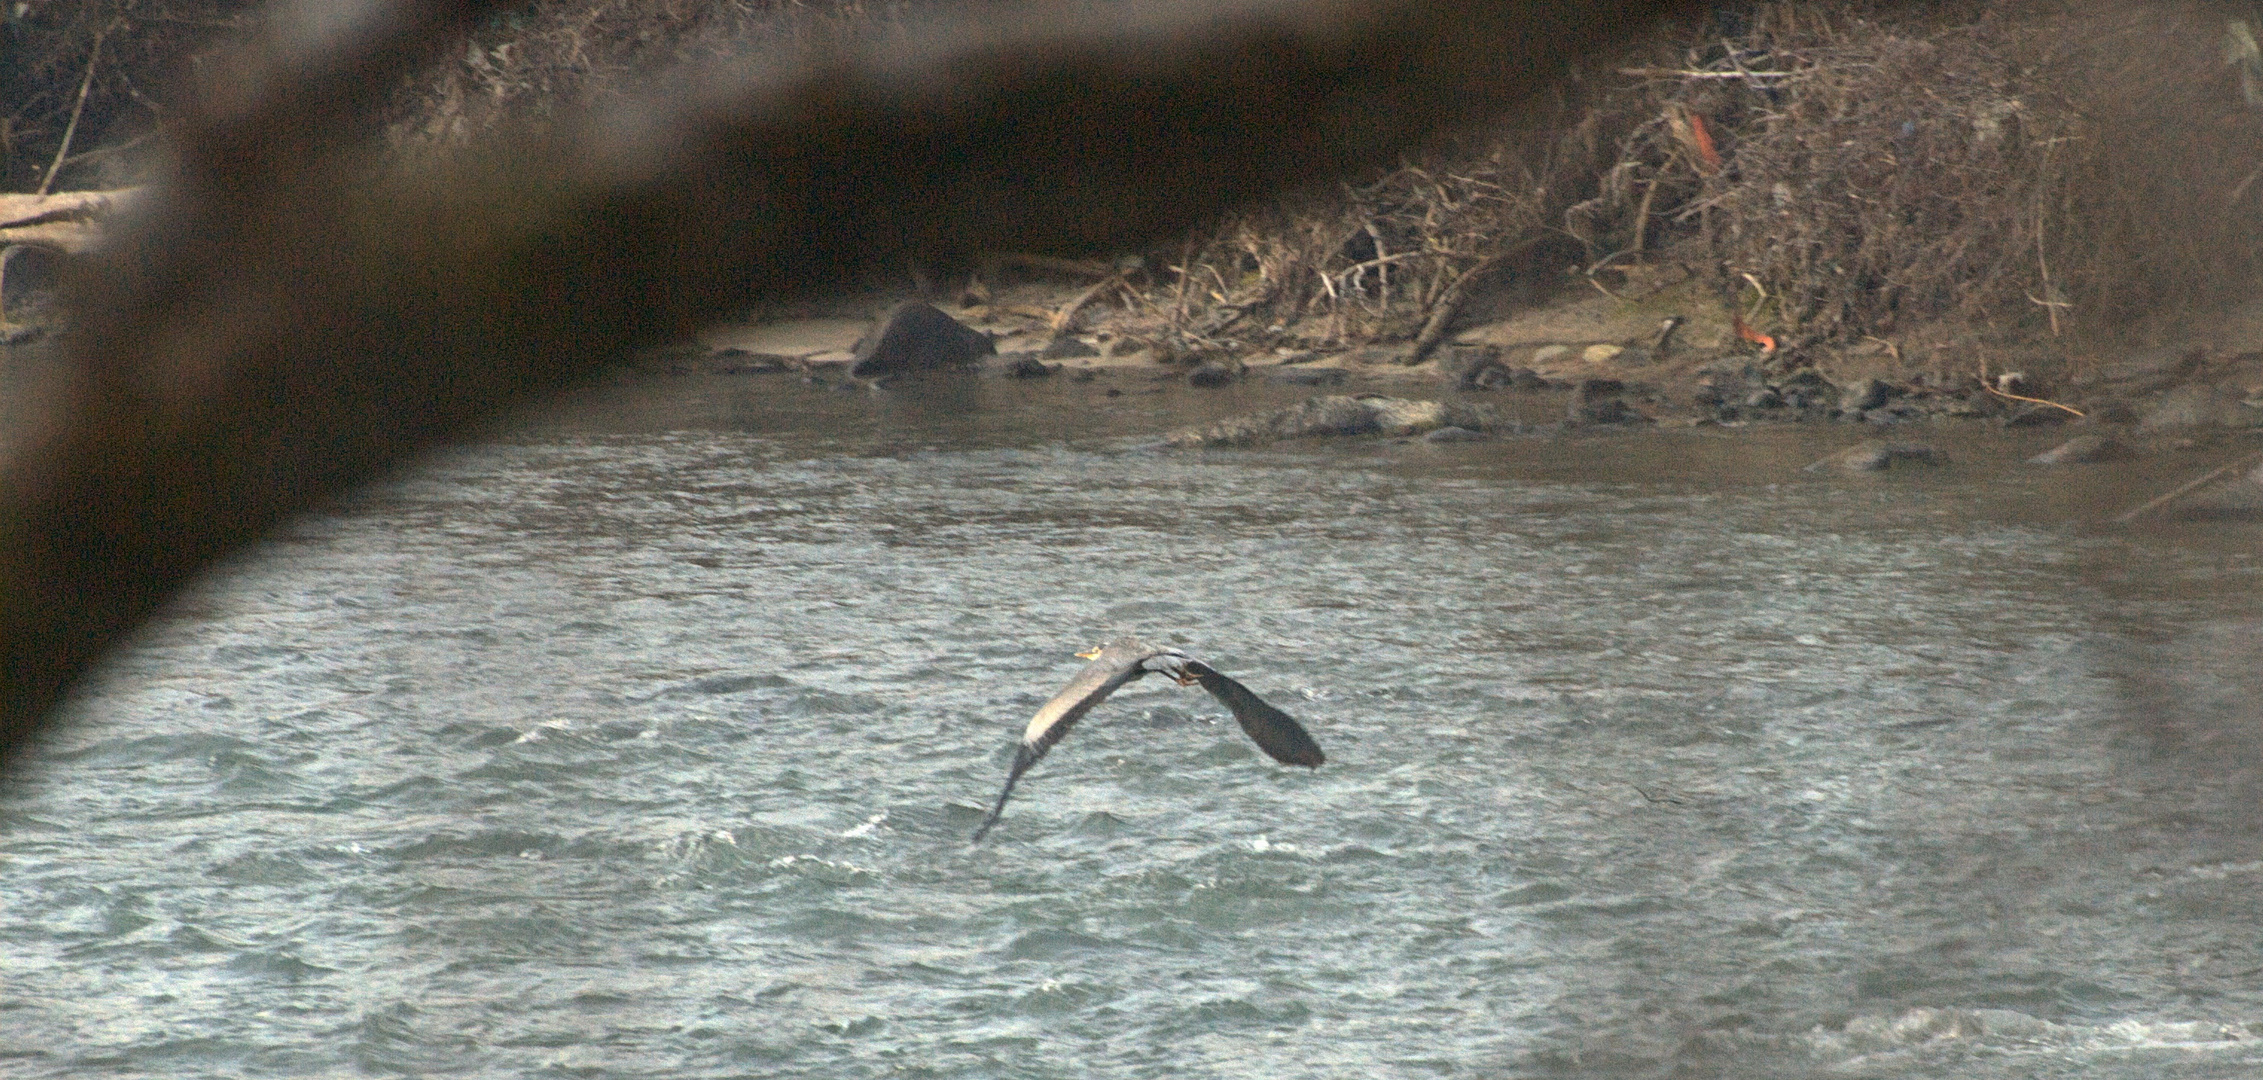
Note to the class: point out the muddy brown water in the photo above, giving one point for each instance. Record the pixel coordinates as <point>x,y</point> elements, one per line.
<point>646,739</point>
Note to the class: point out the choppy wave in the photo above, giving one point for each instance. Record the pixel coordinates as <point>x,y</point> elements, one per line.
<point>635,752</point>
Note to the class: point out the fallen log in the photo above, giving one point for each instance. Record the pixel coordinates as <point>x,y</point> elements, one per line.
<point>69,222</point>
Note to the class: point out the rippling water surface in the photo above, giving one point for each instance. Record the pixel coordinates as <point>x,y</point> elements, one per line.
<point>648,743</point>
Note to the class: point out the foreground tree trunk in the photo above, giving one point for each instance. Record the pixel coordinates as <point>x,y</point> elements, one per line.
<point>295,310</point>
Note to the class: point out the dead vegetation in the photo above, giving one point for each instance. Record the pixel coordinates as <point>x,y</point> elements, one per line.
<point>83,81</point>
<point>1831,172</point>
<point>2046,170</point>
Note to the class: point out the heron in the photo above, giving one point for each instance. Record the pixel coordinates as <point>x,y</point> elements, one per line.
<point>1125,659</point>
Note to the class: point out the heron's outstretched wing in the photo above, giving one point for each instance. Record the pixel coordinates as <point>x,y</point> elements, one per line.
<point>1114,665</point>
<point>1275,732</point>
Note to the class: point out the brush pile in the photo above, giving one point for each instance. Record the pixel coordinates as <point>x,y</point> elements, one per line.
<point>1833,174</point>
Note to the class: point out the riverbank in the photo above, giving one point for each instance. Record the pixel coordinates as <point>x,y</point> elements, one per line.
<point>1586,349</point>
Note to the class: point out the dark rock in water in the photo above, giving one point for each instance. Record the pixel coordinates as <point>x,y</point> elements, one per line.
<point>1525,378</point>
<point>1301,376</point>
<point>2193,405</point>
<point>1972,403</point>
<point>1608,410</point>
<point>2084,450</point>
<point>1462,359</point>
<point>1764,398</point>
<point>2152,369</point>
<point>1596,401</point>
<point>736,361</point>
<point>1213,375</point>
<point>1805,389</point>
<point>1069,348</point>
<point>2112,411</point>
<point>1865,396</point>
<point>1879,456</point>
<point>2239,500</point>
<point>1027,366</point>
<point>2029,414</point>
<point>1338,414</point>
<point>915,337</point>
<point>1486,374</point>
<point>1453,434</point>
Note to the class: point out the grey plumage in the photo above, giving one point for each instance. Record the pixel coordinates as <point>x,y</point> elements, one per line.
<point>1126,659</point>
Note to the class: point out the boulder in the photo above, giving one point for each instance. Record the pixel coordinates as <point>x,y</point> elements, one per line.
<point>1452,435</point>
<point>2239,500</point>
<point>1213,374</point>
<point>736,361</point>
<point>1596,401</point>
<point>1026,366</point>
<point>1609,410</point>
<point>1304,376</point>
<point>1525,378</point>
<point>2112,411</point>
<point>1338,414</point>
<point>1486,374</point>
<point>2193,405</point>
<point>915,337</point>
<point>1865,396</point>
<point>2084,450</point>
<point>2151,369</point>
<point>1879,456</point>
<point>1069,348</point>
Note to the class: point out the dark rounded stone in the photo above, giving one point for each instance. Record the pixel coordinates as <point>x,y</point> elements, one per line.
<point>2113,412</point>
<point>1301,376</point>
<point>1069,348</point>
<point>1485,374</point>
<point>1608,410</point>
<point>2084,450</point>
<point>915,337</point>
<point>1865,396</point>
<point>1879,456</point>
<point>1212,375</point>
<point>1028,366</point>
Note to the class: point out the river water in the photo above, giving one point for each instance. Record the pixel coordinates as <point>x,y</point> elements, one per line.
<point>647,741</point>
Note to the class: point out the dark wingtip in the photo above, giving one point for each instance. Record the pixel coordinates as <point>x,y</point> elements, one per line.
<point>1024,756</point>
<point>1275,732</point>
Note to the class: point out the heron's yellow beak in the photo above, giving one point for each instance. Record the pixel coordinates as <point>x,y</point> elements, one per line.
<point>1091,653</point>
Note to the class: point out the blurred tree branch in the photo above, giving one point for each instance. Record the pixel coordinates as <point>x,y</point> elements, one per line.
<point>295,310</point>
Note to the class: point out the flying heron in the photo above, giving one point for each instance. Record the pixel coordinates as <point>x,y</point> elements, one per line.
<point>1125,659</point>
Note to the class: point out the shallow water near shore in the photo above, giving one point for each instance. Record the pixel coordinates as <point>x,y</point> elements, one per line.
<point>647,741</point>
